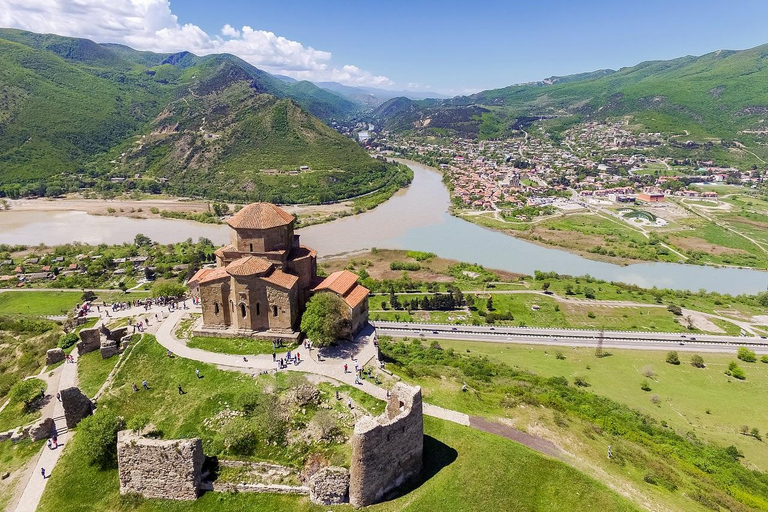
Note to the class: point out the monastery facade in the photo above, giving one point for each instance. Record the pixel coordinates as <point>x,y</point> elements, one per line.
<point>264,278</point>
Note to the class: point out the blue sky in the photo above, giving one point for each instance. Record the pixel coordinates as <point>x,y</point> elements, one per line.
<point>458,45</point>
<point>449,46</point>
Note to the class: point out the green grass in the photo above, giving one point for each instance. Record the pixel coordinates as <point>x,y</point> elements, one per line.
<point>92,371</point>
<point>237,346</point>
<point>38,303</point>
<point>685,392</point>
<point>16,414</point>
<point>469,471</point>
<point>13,458</point>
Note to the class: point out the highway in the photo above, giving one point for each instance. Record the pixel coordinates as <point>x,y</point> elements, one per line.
<point>573,337</point>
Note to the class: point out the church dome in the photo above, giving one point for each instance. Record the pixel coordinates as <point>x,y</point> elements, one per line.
<point>260,216</point>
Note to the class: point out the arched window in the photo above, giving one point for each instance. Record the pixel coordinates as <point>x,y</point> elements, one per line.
<point>231,306</point>
<point>258,312</point>
<point>251,247</point>
<point>242,309</point>
<point>274,310</point>
<point>215,308</point>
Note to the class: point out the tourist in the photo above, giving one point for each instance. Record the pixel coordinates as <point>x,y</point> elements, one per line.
<point>50,445</point>
<point>197,372</point>
<point>245,360</point>
<point>298,358</point>
<point>274,356</point>
<point>388,394</point>
<point>181,391</point>
<point>58,397</point>
<point>42,471</point>
<point>133,387</point>
<point>357,380</point>
<point>349,402</point>
<point>144,384</point>
<point>42,392</point>
<point>346,368</point>
<point>55,442</point>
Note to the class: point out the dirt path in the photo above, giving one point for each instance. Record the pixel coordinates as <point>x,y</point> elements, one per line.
<point>536,443</point>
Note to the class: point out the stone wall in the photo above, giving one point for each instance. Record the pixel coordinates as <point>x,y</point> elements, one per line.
<point>387,450</point>
<point>156,468</point>
<point>90,340</point>
<point>329,486</point>
<point>76,406</point>
<point>54,355</point>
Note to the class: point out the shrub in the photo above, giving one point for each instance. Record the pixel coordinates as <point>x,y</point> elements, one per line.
<point>559,355</point>
<point>755,433</point>
<point>648,372</point>
<point>98,438</point>
<point>645,386</point>
<point>404,265</point>
<point>168,289</point>
<point>764,359</point>
<point>68,340</point>
<point>746,355</point>
<point>138,422</point>
<point>675,310</point>
<point>697,361</point>
<point>673,358</point>
<point>735,372</point>
<point>655,400</point>
<point>591,315</point>
<point>88,296</point>
<point>240,436</point>
<point>581,382</point>
<point>26,391</point>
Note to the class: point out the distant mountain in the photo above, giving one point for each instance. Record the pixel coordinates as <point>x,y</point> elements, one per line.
<point>372,96</point>
<point>717,95</point>
<point>76,113</point>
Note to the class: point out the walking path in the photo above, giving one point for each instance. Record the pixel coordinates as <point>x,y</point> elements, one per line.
<point>35,485</point>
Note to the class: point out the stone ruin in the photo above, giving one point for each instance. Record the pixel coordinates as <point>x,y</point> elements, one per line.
<point>109,342</point>
<point>155,468</point>
<point>386,453</point>
<point>387,450</point>
<point>329,486</point>
<point>54,355</point>
<point>76,406</point>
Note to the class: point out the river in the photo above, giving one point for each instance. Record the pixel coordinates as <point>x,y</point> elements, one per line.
<point>415,218</point>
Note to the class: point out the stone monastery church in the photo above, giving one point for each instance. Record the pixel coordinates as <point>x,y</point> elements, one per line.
<point>264,278</point>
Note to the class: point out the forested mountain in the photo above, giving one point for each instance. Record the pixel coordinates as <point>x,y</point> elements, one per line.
<point>75,113</point>
<point>717,95</point>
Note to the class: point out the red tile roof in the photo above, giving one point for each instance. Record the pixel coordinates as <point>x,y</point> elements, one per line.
<point>199,275</point>
<point>226,248</point>
<point>260,216</point>
<point>248,266</point>
<point>356,295</point>
<point>340,282</point>
<point>281,279</point>
<point>214,275</point>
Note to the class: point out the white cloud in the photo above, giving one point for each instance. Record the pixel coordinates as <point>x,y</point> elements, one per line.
<point>151,25</point>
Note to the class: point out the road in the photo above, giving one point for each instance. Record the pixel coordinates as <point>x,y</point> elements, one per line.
<point>573,337</point>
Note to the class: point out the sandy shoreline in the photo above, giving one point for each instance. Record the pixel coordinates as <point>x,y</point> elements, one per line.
<point>142,208</point>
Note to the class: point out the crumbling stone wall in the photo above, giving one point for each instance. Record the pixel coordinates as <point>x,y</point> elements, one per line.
<point>387,450</point>
<point>155,468</point>
<point>109,348</point>
<point>90,340</point>
<point>329,486</point>
<point>54,355</point>
<point>76,406</point>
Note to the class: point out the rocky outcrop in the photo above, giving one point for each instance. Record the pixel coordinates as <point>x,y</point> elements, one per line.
<point>43,429</point>
<point>387,450</point>
<point>329,486</point>
<point>54,355</point>
<point>109,348</point>
<point>155,468</point>
<point>90,340</point>
<point>76,406</point>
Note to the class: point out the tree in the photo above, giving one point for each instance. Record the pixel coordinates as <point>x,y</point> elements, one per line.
<point>746,355</point>
<point>98,435</point>
<point>326,319</point>
<point>168,289</point>
<point>68,340</point>
<point>545,285</point>
<point>88,296</point>
<point>673,358</point>
<point>489,303</point>
<point>697,361</point>
<point>141,240</point>
<point>26,391</point>
<point>149,274</point>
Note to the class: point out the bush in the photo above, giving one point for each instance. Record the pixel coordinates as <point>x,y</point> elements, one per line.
<point>581,382</point>
<point>764,359</point>
<point>735,372</point>
<point>591,315</point>
<point>404,265</point>
<point>673,358</point>
<point>138,422</point>
<point>559,355</point>
<point>675,310</point>
<point>240,436</point>
<point>645,386</point>
<point>168,289</point>
<point>68,340</point>
<point>98,438</point>
<point>746,355</point>
<point>26,391</point>
<point>697,361</point>
<point>88,296</point>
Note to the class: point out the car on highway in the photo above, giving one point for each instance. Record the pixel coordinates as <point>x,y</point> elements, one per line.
<point>692,338</point>
<point>435,332</point>
<point>454,329</point>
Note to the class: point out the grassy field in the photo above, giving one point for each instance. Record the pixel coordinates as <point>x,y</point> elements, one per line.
<point>15,414</point>
<point>238,346</point>
<point>704,401</point>
<point>38,303</point>
<point>92,371</point>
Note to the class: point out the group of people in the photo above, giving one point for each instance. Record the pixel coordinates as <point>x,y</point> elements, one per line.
<point>289,358</point>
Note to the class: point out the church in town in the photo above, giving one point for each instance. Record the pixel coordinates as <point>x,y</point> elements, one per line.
<point>264,278</point>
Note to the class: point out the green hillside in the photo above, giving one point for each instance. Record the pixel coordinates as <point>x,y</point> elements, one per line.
<point>75,114</point>
<point>717,95</point>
